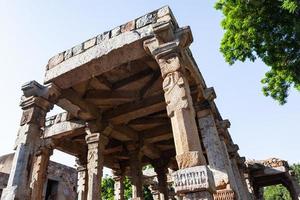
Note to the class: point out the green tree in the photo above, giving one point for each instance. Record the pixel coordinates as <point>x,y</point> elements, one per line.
<point>279,192</point>
<point>276,192</point>
<point>265,29</point>
<point>108,189</point>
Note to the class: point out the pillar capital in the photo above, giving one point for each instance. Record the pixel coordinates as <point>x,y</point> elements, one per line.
<point>92,138</point>
<point>223,124</point>
<point>209,94</point>
<point>166,34</point>
<point>50,92</point>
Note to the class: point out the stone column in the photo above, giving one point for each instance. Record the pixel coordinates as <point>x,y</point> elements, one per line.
<point>167,47</point>
<point>119,186</point>
<point>39,172</point>
<point>240,180</point>
<point>213,147</point>
<point>96,145</point>
<point>161,172</point>
<point>154,191</point>
<point>136,175</point>
<point>28,140</point>
<point>82,179</point>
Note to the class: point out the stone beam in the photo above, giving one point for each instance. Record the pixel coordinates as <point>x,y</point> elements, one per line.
<point>135,77</point>
<point>151,151</point>
<point>107,94</point>
<point>133,110</point>
<point>105,51</point>
<point>108,54</point>
<point>121,132</point>
<point>70,147</point>
<point>156,134</point>
<point>89,110</point>
<point>63,129</point>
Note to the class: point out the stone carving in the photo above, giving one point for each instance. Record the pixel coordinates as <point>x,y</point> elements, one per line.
<point>193,179</point>
<point>169,64</point>
<point>33,115</point>
<point>175,92</point>
<point>224,195</point>
<point>39,171</point>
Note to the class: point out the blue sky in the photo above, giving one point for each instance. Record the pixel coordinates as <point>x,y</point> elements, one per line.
<point>33,31</point>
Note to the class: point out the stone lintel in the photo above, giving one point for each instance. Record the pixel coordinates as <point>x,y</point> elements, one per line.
<point>99,55</point>
<point>193,179</point>
<point>64,128</point>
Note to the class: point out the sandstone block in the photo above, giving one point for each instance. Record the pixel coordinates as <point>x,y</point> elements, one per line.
<point>163,11</point>
<point>55,60</point>
<point>128,26</point>
<point>77,49</point>
<point>189,159</point>
<point>116,31</point>
<point>88,44</point>
<point>68,54</point>
<point>102,37</point>
<point>145,20</point>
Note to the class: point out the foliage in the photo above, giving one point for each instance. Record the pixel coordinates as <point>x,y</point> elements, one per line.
<point>279,192</point>
<point>265,29</point>
<point>296,169</point>
<point>108,189</point>
<point>276,192</point>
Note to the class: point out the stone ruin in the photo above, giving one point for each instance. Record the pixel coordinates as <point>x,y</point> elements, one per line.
<point>60,183</point>
<point>133,96</point>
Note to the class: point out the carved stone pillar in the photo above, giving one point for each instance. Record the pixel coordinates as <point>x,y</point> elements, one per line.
<point>82,183</point>
<point>154,191</point>
<point>28,140</point>
<point>39,172</point>
<point>167,47</point>
<point>136,173</point>
<point>96,145</point>
<point>213,147</point>
<point>119,186</point>
<point>240,180</point>
<point>162,186</point>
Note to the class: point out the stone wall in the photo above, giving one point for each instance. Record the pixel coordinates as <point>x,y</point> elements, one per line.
<point>65,176</point>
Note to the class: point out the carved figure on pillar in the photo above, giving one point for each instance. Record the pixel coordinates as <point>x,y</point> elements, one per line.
<point>96,145</point>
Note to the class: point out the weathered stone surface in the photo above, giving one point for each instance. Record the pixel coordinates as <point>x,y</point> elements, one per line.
<point>68,54</point>
<point>189,159</point>
<point>225,194</point>
<point>88,44</point>
<point>129,26</point>
<point>118,46</point>
<point>145,20</point>
<point>193,179</point>
<point>116,31</point>
<point>55,60</point>
<point>214,150</point>
<point>204,195</point>
<point>102,37</point>
<point>96,145</point>
<point>77,49</point>
<point>163,11</point>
